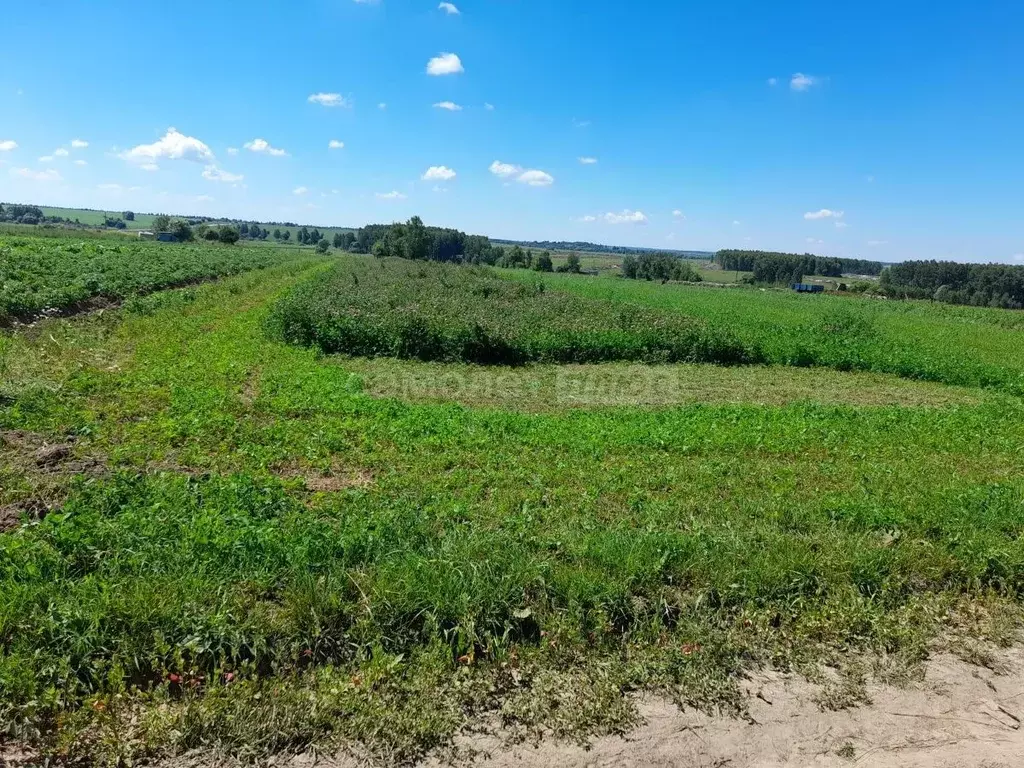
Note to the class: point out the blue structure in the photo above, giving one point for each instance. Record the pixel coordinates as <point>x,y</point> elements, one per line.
<point>808,288</point>
<point>166,237</point>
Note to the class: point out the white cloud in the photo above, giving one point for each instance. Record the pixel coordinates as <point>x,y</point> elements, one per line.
<point>841,225</point>
<point>801,82</point>
<point>535,178</point>
<point>329,100</point>
<point>27,173</point>
<point>134,189</point>
<point>150,167</point>
<point>870,179</point>
<point>173,146</point>
<point>451,106</point>
<point>587,219</point>
<point>439,188</point>
<point>300,191</point>
<point>438,173</point>
<point>445,64</point>
<point>395,195</point>
<point>626,217</point>
<point>736,223</point>
<point>448,8</point>
<point>876,243</point>
<point>504,170</point>
<point>580,123</point>
<point>204,199</point>
<point>79,144</point>
<point>8,145</point>
<point>213,173</point>
<point>814,241</point>
<point>588,160</point>
<point>232,150</point>
<point>109,187</point>
<point>824,213</point>
<point>383,105</point>
<point>46,159</point>
<point>60,152</point>
<point>677,214</point>
<point>773,81</point>
<point>488,106</point>
<point>262,146</point>
<point>80,162</point>
<point>335,144</point>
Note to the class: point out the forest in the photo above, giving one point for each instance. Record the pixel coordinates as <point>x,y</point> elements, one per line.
<point>978,285</point>
<point>773,267</point>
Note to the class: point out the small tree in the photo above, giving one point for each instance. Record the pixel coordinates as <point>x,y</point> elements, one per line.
<point>277,234</point>
<point>573,264</point>
<point>287,235</point>
<point>181,230</point>
<point>323,246</point>
<point>543,263</point>
<point>162,223</point>
<point>228,235</point>
<point>128,216</point>
<point>338,241</point>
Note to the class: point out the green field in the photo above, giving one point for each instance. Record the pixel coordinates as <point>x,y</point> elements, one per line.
<point>216,540</point>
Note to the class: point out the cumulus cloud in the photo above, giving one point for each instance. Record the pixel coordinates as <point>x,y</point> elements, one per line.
<point>27,173</point>
<point>535,178</point>
<point>773,81</point>
<point>824,213</point>
<point>213,173</point>
<point>580,123</point>
<point>677,214</point>
<point>60,152</point>
<point>801,82</point>
<point>262,146</point>
<point>394,195</point>
<point>504,170</point>
<point>204,199</point>
<point>232,150</point>
<point>173,146</point>
<point>814,241</point>
<point>46,159</point>
<point>448,8</point>
<point>588,160</point>
<point>335,144</point>
<point>588,218</point>
<point>736,223</point>
<point>451,106</point>
<point>329,100</point>
<point>80,162</point>
<point>300,191</point>
<point>841,225</point>
<point>488,106</point>
<point>150,167</point>
<point>382,106</point>
<point>79,144</point>
<point>626,217</point>
<point>438,173</point>
<point>8,145</point>
<point>445,64</point>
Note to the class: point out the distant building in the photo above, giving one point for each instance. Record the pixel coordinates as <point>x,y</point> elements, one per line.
<point>808,288</point>
<point>166,237</point>
<point>145,234</point>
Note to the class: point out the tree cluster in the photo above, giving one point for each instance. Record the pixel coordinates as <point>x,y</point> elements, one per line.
<point>659,266</point>
<point>180,228</point>
<point>773,267</point>
<point>414,240</point>
<point>978,285</point>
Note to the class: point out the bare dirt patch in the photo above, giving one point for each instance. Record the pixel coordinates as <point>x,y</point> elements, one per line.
<point>337,477</point>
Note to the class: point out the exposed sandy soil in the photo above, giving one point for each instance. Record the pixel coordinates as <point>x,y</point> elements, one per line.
<point>959,715</point>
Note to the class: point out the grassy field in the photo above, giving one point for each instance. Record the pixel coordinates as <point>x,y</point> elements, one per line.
<point>219,541</point>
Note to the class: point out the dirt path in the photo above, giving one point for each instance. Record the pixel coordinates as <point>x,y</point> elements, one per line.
<point>960,715</point>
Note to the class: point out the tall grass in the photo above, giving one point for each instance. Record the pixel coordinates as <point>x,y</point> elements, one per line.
<point>428,311</point>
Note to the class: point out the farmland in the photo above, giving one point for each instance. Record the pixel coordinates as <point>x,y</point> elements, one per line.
<point>255,545</point>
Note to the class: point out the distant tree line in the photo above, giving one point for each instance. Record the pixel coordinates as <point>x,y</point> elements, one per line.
<point>659,266</point>
<point>978,285</point>
<point>773,267</point>
<point>565,245</point>
<point>414,240</point>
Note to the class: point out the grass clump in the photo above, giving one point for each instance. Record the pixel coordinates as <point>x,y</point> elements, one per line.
<point>439,312</point>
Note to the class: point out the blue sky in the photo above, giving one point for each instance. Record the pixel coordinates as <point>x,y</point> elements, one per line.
<point>884,130</point>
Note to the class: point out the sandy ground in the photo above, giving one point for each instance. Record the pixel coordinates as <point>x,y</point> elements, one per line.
<point>959,715</point>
